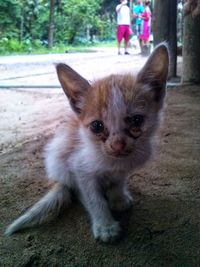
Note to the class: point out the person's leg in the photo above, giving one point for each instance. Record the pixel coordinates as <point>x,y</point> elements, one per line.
<point>126,47</point>
<point>126,39</point>
<point>140,42</point>
<point>119,37</point>
<point>139,36</point>
<point>119,46</point>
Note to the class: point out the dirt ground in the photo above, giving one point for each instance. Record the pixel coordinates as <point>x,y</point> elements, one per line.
<point>162,228</point>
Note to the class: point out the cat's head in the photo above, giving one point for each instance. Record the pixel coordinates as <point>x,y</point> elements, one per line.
<point>119,113</point>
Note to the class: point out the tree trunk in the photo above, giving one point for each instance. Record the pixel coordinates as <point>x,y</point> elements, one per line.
<point>191,50</point>
<point>21,29</point>
<point>51,24</point>
<point>165,29</point>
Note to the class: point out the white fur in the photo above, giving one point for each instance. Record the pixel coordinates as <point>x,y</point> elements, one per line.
<point>89,169</point>
<point>116,110</point>
<point>52,201</point>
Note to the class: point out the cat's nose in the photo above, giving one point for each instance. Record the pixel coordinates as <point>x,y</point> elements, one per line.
<point>118,146</point>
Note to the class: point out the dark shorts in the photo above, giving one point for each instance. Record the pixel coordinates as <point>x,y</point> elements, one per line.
<point>123,32</point>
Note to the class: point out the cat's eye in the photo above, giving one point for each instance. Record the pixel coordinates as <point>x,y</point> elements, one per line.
<point>135,121</point>
<point>97,127</point>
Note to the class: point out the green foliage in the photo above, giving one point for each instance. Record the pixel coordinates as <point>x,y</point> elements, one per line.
<point>78,17</point>
<point>24,24</point>
<point>9,18</point>
<point>107,27</point>
<point>35,18</point>
<point>13,45</point>
<point>10,45</point>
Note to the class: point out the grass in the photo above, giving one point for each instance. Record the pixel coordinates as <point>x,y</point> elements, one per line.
<point>61,48</point>
<point>89,47</point>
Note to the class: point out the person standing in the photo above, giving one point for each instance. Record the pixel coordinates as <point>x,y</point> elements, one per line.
<point>138,9</point>
<point>123,25</point>
<point>146,24</point>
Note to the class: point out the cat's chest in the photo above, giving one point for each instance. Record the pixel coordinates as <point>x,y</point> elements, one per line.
<point>85,161</point>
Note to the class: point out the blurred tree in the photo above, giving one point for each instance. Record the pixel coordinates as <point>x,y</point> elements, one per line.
<point>10,12</point>
<point>191,43</point>
<point>79,15</point>
<point>59,21</point>
<point>51,24</point>
<point>109,6</point>
<point>34,18</point>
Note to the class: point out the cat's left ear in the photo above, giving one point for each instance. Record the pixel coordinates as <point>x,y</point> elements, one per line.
<point>155,72</point>
<point>74,86</point>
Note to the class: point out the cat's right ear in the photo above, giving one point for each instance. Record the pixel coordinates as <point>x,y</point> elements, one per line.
<point>74,86</point>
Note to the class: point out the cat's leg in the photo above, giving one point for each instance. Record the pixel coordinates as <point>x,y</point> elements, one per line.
<point>119,198</point>
<point>104,227</point>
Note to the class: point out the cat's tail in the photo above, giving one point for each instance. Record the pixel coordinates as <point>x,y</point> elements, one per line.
<point>52,201</point>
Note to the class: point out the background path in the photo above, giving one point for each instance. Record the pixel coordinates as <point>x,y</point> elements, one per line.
<point>35,70</point>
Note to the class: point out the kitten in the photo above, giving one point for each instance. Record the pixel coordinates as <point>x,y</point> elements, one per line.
<point>107,136</point>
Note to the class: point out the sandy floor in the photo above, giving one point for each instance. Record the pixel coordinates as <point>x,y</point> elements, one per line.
<point>163,227</point>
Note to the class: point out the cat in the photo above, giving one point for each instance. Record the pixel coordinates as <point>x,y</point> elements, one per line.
<point>108,134</point>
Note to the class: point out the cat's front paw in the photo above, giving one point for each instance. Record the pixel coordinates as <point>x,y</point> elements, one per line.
<point>106,233</point>
<point>122,203</point>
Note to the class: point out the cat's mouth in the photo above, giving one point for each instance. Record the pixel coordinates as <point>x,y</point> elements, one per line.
<point>118,155</point>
